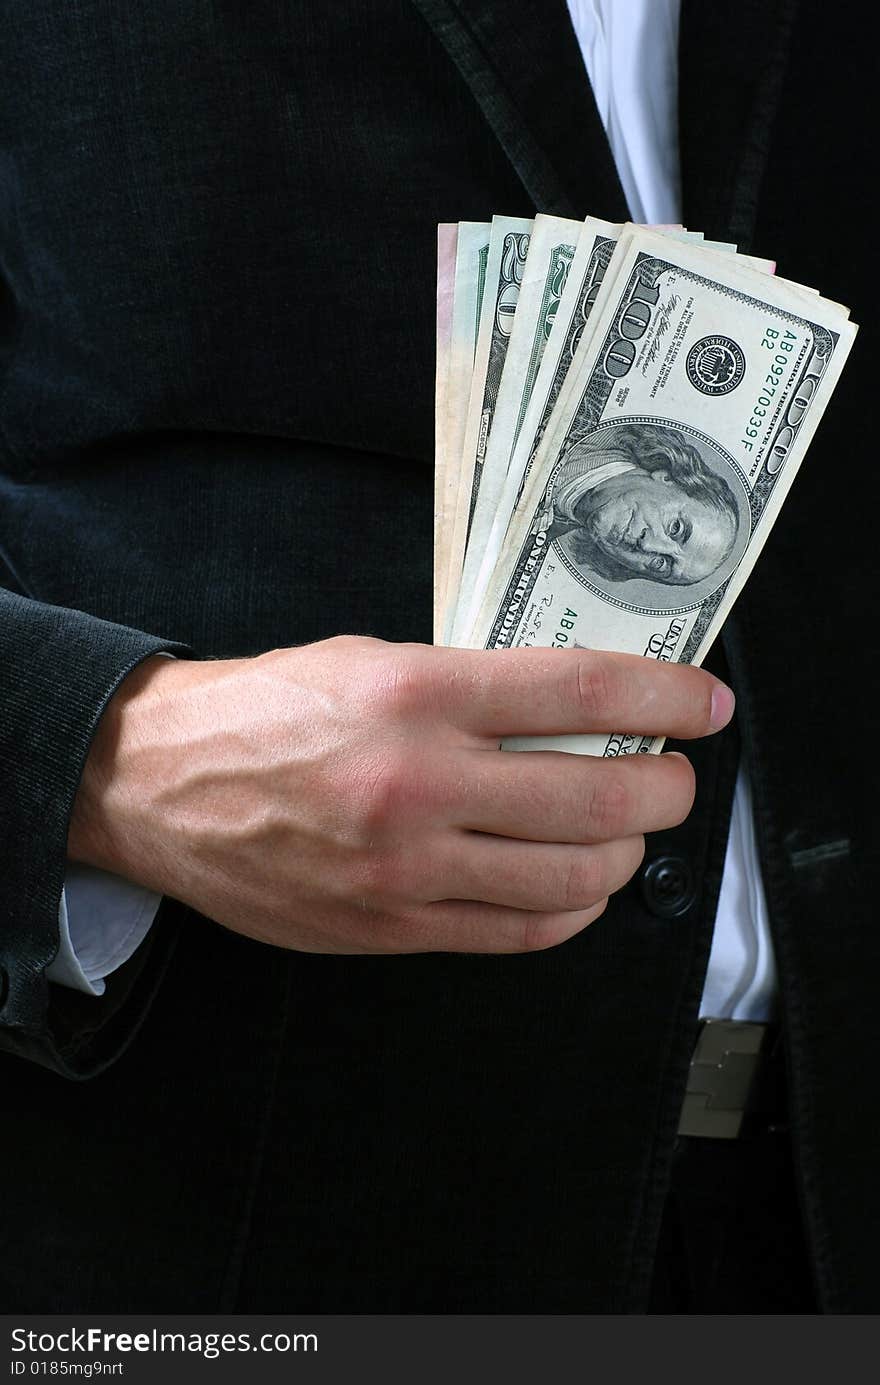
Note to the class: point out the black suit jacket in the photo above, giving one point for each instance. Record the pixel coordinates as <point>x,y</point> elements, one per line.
<point>217,244</point>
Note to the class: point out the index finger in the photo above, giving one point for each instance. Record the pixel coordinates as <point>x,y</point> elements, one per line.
<point>546,692</point>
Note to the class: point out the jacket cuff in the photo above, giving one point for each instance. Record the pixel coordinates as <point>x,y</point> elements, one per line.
<point>58,670</point>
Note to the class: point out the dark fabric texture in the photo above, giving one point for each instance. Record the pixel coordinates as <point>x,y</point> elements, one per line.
<point>732,1240</point>
<point>217,238</point>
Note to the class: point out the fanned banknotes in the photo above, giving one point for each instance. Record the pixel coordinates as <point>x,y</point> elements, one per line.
<point>627,442</point>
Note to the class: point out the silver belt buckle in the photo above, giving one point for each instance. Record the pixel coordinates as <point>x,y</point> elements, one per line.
<point>722,1072</point>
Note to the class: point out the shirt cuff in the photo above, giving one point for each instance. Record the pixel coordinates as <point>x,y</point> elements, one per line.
<point>102,921</point>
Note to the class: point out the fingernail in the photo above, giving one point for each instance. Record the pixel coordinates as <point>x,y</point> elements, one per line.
<point>723,703</point>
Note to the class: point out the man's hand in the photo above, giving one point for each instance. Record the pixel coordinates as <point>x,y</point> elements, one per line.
<point>350,796</point>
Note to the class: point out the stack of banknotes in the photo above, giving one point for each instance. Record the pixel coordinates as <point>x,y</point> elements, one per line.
<point>620,412</point>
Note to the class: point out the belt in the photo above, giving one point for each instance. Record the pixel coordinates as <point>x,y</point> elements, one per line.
<point>736,1083</point>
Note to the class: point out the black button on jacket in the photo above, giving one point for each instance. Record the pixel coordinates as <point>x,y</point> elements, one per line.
<point>668,887</point>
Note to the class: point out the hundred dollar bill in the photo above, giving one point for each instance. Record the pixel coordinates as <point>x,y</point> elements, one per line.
<point>583,288</point>
<point>552,245</point>
<point>479,338</point>
<point>674,441</point>
<point>469,280</point>
<point>508,248</point>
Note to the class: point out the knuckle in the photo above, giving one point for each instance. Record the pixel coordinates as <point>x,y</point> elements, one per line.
<point>342,644</point>
<point>371,879</point>
<point>384,882</point>
<point>595,687</point>
<point>535,935</point>
<point>387,792</point>
<point>404,685</point>
<point>610,803</point>
<point>584,882</point>
<point>353,647</point>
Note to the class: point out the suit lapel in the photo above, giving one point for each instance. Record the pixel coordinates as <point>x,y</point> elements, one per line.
<point>525,71</point>
<point>732,61</point>
<point>524,68</point>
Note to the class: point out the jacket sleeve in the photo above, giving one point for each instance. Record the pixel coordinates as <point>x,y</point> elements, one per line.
<point>58,670</point>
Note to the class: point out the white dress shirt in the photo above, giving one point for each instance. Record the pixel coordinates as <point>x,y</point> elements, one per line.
<point>630,51</point>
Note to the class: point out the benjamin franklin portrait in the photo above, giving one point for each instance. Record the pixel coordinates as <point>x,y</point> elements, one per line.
<point>638,501</point>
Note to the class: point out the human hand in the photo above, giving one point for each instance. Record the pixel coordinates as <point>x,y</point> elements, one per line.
<point>349,796</point>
